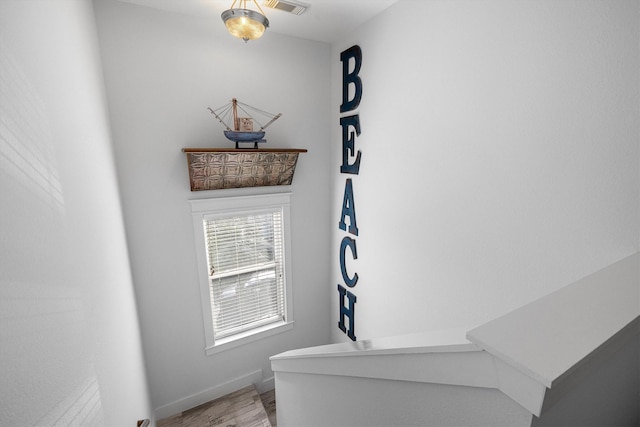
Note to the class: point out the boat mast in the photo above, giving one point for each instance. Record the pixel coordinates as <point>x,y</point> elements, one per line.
<point>235,104</point>
<point>236,125</point>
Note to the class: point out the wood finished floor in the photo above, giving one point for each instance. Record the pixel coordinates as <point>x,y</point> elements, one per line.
<point>269,402</point>
<point>242,408</point>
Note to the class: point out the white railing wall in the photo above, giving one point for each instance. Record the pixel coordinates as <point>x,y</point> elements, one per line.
<point>575,348</point>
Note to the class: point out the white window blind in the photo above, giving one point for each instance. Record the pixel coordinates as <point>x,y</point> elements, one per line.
<point>244,267</point>
<point>246,270</point>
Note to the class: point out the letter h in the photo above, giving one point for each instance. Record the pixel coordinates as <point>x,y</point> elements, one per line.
<point>347,312</point>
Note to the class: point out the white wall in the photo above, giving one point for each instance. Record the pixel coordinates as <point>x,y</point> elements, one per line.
<point>499,157</point>
<point>162,71</point>
<point>70,351</point>
<point>336,400</point>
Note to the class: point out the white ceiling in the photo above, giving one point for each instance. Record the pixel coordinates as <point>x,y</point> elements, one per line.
<point>324,20</point>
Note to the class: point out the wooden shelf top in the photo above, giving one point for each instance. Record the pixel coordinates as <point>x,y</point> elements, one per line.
<point>244,150</point>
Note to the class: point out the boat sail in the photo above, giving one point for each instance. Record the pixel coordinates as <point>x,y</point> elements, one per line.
<point>240,129</point>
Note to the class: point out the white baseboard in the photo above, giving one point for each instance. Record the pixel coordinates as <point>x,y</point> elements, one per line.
<point>211,394</point>
<point>266,384</point>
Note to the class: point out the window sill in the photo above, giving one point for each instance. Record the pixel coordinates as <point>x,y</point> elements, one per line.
<point>238,340</point>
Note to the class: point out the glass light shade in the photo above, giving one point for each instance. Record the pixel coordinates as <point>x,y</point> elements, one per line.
<point>245,24</point>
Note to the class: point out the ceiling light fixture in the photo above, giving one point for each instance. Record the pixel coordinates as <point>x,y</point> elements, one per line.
<point>244,23</point>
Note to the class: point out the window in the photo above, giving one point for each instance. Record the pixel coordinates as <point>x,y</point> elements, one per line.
<point>242,245</point>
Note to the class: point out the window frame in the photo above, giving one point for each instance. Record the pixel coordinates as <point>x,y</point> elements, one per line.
<point>202,208</point>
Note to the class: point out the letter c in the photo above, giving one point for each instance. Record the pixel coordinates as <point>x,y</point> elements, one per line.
<point>351,243</point>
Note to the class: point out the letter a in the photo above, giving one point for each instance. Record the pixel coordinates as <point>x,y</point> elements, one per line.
<point>348,209</point>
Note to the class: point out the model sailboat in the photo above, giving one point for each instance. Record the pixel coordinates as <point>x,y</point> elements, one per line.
<point>240,129</point>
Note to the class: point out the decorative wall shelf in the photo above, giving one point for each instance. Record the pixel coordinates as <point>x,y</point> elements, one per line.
<point>220,168</point>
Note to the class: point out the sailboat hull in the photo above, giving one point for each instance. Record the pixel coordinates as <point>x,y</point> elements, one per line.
<point>244,136</point>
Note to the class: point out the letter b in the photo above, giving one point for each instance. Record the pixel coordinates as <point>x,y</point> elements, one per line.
<point>351,78</point>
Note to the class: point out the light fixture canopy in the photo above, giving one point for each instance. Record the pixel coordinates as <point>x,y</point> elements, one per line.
<point>244,23</point>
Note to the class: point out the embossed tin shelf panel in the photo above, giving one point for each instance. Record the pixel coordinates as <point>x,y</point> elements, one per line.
<point>220,168</point>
